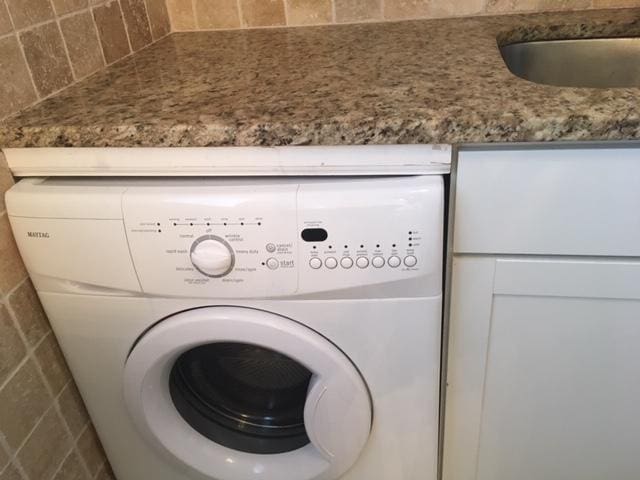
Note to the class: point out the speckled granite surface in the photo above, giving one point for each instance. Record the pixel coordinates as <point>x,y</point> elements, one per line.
<point>432,81</point>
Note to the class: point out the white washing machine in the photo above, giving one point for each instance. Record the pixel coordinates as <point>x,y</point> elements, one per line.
<point>247,328</point>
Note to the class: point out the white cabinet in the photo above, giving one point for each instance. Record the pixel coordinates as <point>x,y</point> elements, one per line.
<point>544,345</point>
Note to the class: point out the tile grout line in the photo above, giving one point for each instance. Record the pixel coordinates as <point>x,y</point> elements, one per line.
<point>77,448</point>
<point>196,17</point>
<point>26,62</point>
<point>53,19</point>
<point>12,460</point>
<point>20,282</point>
<point>64,459</point>
<point>29,350</point>
<point>61,418</point>
<point>145,3</point>
<point>74,440</point>
<point>193,12</point>
<point>171,19</point>
<point>66,52</point>
<point>126,28</point>
<point>285,4</point>
<point>95,26</point>
<point>14,454</point>
<point>166,7</point>
<point>54,399</point>
<point>241,15</point>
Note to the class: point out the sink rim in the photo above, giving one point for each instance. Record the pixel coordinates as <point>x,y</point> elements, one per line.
<point>569,62</point>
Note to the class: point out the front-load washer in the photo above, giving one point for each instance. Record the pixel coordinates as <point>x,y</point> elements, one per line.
<point>276,329</point>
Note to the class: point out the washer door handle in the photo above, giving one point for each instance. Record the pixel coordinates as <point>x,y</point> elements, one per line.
<point>334,406</point>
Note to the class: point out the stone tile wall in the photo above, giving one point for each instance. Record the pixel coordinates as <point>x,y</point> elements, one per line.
<point>46,45</point>
<point>229,14</point>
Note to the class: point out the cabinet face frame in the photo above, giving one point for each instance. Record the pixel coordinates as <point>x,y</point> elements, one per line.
<point>548,201</point>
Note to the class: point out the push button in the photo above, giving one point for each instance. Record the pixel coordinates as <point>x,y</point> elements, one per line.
<point>272,264</point>
<point>394,261</point>
<point>410,261</point>
<point>346,262</point>
<point>377,262</point>
<point>270,247</point>
<point>331,263</point>
<point>315,263</point>
<point>362,262</point>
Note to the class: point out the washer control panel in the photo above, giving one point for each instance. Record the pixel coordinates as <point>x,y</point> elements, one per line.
<point>370,231</point>
<point>222,241</point>
<point>275,237</point>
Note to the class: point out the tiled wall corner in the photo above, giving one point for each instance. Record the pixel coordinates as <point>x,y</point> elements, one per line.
<point>47,45</point>
<point>230,14</point>
<point>45,432</point>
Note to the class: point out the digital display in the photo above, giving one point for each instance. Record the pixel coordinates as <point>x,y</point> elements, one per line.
<point>314,234</point>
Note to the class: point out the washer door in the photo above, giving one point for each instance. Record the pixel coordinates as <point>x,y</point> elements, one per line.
<point>236,393</point>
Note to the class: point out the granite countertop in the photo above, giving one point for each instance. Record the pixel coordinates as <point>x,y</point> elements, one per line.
<point>427,81</point>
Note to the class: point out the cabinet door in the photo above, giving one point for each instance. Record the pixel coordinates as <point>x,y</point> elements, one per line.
<point>544,370</point>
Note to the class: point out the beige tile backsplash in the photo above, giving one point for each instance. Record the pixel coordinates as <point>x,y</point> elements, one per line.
<point>158,18</point>
<point>47,45</point>
<point>44,50</point>
<point>262,13</point>
<point>217,14</point>
<point>227,14</point>
<point>137,22</point>
<point>357,10</point>
<point>80,36</point>
<point>29,12</point>
<point>309,12</point>
<point>111,31</point>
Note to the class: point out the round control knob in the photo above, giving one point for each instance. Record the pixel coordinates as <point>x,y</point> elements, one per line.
<point>362,262</point>
<point>410,261</point>
<point>394,261</point>
<point>331,263</point>
<point>315,263</point>
<point>212,256</point>
<point>346,262</point>
<point>377,262</point>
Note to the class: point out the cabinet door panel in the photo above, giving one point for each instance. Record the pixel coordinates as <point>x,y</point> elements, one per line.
<point>560,380</point>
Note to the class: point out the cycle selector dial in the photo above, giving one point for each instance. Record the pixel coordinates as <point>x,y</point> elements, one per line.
<point>212,256</point>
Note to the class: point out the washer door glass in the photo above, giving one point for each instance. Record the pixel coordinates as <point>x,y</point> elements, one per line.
<point>245,397</point>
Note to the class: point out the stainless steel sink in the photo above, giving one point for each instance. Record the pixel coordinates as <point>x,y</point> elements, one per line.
<point>593,63</point>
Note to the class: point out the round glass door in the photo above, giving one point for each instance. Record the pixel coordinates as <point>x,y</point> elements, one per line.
<point>245,397</point>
